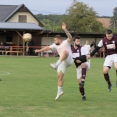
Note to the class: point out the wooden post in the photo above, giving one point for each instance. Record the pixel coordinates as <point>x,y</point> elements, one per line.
<point>23,45</point>
<point>47,44</point>
<point>18,42</point>
<point>23,41</point>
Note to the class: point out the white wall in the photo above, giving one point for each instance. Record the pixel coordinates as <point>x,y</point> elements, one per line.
<point>30,18</point>
<point>50,40</point>
<point>83,40</point>
<point>90,40</point>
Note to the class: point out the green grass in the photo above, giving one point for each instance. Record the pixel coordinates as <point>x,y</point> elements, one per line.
<point>30,90</point>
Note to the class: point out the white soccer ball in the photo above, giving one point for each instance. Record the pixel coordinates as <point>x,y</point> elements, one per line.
<point>27,37</point>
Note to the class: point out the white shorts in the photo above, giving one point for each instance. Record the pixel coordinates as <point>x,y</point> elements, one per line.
<point>65,64</point>
<point>110,60</point>
<point>79,70</point>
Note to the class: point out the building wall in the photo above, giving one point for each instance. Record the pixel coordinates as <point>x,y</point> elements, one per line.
<point>30,18</point>
<point>90,40</point>
<point>49,40</point>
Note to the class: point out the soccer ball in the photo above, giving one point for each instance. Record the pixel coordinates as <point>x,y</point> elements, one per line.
<point>27,37</point>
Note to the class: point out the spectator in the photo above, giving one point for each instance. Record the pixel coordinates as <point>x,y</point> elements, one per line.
<point>87,48</point>
<point>29,48</point>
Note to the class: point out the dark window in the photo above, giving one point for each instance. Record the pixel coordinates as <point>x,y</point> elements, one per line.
<point>9,39</point>
<point>22,18</point>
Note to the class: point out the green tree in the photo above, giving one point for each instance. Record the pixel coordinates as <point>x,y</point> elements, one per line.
<point>81,18</point>
<point>50,21</point>
<point>114,20</point>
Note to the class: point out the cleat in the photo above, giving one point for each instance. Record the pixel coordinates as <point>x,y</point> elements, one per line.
<point>59,95</point>
<point>82,83</point>
<point>116,83</point>
<point>109,87</point>
<point>83,98</point>
<point>53,65</point>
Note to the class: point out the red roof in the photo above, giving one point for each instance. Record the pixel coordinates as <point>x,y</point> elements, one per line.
<point>105,21</point>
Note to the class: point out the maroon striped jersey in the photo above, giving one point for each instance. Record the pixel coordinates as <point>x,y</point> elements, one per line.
<point>107,45</point>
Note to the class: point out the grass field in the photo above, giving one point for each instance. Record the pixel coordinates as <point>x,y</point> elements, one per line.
<point>30,90</point>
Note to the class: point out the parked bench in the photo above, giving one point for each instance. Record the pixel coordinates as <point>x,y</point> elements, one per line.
<point>2,51</point>
<point>17,52</point>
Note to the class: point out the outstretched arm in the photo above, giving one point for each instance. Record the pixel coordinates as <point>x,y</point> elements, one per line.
<point>95,50</point>
<point>67,32</point>
<point>84,58</point>
<point>43,49</point>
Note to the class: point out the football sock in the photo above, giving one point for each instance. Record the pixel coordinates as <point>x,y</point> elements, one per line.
<point>59,89</point>
<point>83,73</point>
<point>58,63</point>
<point>81,89</point>
<point>106,76</point>
<point>89,61</point>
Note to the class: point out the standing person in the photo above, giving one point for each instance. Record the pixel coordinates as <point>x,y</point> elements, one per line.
<point>110,44</point>
<point>81,68</point>
<point>93,45</point>
<point>29,48</point>
<point>65,60</point>
<point>2,48</point>
<point>31,43</point>
<point>87,48</point>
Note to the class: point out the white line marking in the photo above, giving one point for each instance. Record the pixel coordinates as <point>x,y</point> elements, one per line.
<point>4,73</point>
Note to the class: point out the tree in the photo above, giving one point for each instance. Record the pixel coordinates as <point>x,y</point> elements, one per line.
<point>50,21</point>
<point>81,18</point>
<point>114,20</point>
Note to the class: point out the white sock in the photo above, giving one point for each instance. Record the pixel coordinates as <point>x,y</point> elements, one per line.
<point>83,95</point>
<point>59,89</point>
<point>83,80</point>
<point>58,63</point>
<point>89,61</point>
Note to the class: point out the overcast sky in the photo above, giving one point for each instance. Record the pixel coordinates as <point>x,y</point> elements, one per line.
<point>102,7</point>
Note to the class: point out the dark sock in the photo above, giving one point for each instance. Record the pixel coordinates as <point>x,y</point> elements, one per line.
<point>106,76</point>
<point>81,89</point>
<point>83,73</point>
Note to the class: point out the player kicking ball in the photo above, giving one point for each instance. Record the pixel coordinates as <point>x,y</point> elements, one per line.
<point>81,68</point>
<point>65,60</point>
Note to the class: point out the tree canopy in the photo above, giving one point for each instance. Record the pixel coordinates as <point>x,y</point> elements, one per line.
<point>114,20</point>
<point>82,18</point>
<point>50,21</point>
<point>79,17</point>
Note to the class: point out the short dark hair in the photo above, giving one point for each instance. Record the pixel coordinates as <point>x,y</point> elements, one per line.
<point>58,37</point>
<point>76,37</point>
<point>109,31</point>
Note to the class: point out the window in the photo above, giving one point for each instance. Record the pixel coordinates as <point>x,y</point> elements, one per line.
<point>8,38</point>
<point>22,18</point>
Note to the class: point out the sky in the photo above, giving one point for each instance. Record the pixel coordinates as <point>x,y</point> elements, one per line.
<point>102,7</point>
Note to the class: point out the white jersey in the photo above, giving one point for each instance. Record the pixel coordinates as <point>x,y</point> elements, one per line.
<point>65,45</point>
<point>87,48</point>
